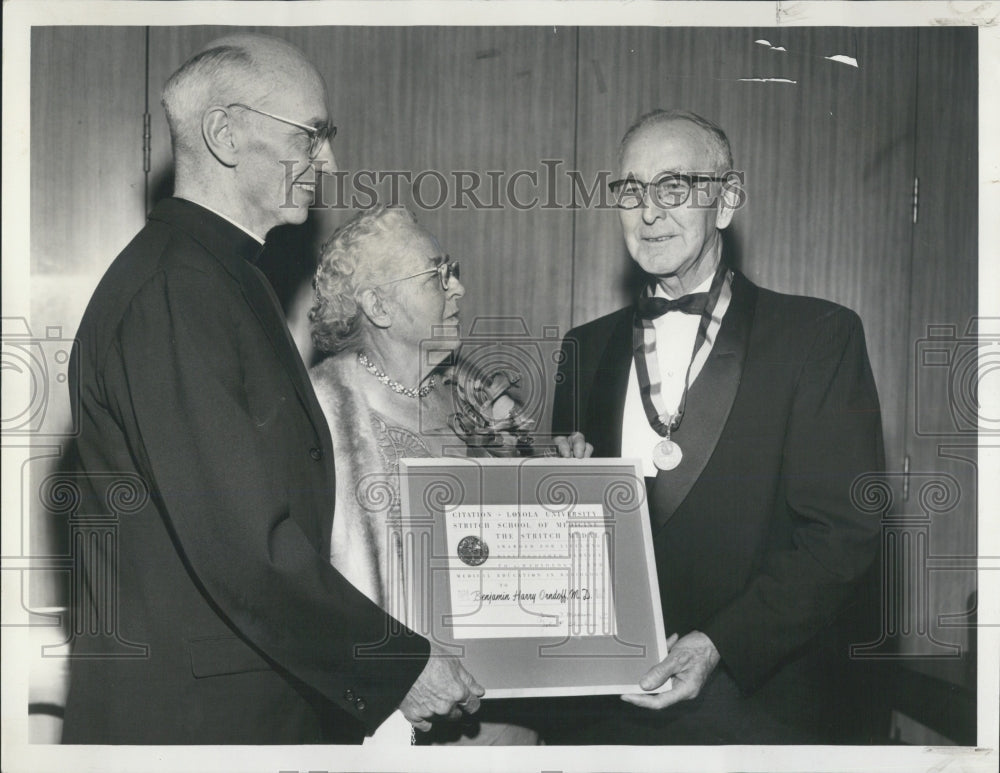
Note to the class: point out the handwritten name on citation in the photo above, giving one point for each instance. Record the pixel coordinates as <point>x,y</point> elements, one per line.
<point>528,571</point>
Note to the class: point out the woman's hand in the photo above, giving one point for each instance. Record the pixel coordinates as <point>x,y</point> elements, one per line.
<point>573,447</point>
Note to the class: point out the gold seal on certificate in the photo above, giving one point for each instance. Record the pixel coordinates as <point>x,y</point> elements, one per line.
<point>473,551</point>
<point>667,455</point>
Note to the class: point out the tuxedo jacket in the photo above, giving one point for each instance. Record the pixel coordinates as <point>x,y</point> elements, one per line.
<point>756,539</point>
<point>207,611</point>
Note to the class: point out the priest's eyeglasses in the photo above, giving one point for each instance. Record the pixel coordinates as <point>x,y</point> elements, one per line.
<point>318,135</point>
<point>446,269</point>
<point>669,190</point>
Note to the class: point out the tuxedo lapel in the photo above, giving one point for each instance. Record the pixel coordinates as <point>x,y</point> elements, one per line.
<point>709,402</point>
<point>606,401</point>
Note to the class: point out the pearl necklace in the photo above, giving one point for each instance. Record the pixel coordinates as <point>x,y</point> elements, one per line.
<point>395,386</point>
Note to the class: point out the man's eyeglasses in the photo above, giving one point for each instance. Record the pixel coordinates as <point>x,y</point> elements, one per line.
<point>318,135</point>
<point>446,269</point>
<point>669,190</point>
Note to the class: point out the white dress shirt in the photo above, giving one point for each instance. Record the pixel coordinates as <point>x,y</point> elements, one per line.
<point>675,334</point>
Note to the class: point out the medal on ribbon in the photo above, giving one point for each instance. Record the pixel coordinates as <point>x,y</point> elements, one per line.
<point>667,453</point>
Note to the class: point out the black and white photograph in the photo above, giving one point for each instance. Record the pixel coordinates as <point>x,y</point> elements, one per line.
<point>615,383</point>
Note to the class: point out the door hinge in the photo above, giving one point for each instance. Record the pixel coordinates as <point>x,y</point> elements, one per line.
<point>147,145</point>
<point>906,478</point>
<point>916,199</point>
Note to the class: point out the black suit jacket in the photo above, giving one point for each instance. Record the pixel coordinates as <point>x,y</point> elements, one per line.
<point>757,541</point>
<point>229,625</point>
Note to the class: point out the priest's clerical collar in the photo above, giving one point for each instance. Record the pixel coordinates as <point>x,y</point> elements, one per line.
<point>258,239</point>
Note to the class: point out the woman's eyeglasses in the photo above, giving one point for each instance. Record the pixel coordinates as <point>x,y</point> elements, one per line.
<point>446,269</point>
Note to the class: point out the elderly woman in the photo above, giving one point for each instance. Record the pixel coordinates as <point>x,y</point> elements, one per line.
<point>384,286</point>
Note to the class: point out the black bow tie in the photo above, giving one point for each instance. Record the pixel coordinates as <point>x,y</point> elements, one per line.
<point>651,308</point>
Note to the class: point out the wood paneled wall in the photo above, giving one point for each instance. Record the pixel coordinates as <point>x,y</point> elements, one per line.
<point>942,397</point>
<point>87,86</point>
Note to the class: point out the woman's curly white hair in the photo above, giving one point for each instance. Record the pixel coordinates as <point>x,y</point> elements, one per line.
<point>347,265</point>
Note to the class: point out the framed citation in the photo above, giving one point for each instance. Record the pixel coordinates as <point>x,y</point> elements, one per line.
<point>537,573</point>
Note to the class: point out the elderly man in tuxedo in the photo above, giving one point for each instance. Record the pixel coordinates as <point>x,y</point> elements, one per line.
<point>233,625</point>
<point>752,412</point>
